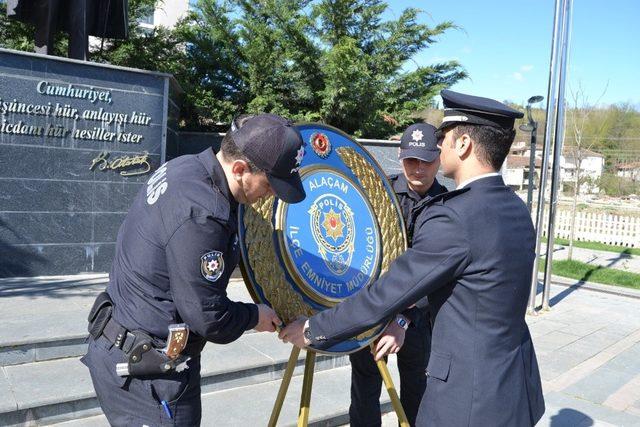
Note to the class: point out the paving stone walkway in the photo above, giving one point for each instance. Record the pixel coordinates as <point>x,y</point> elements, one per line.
<point>588,347</point>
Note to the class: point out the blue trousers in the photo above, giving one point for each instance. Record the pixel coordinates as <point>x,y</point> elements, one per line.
<point>128,401</point>
<point>366,382</point>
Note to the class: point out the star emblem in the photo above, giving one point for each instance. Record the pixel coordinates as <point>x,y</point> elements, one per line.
<point>333,224</point>
<point>417,135</point>
<point>212,265</point>
<point>299,156</point>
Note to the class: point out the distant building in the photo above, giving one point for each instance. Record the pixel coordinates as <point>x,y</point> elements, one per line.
<point>167,13</point>
<point>515,171</point>
<point>629,170</point>
<point>516,167</point>
<point>591,168</point>
<point>519,148</point>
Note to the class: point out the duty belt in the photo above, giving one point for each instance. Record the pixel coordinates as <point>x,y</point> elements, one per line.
<point>143,357</point>
<point>119,336</point>
<point>125,340</point>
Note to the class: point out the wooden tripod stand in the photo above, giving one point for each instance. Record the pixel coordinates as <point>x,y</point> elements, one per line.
<point>307,382</point>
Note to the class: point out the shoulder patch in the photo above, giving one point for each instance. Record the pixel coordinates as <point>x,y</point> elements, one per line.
<point>212,265</point>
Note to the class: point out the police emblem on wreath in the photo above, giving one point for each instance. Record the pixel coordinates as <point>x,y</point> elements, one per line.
<point>333,230</point>
<point>305,257</point>
<point>212,265</point>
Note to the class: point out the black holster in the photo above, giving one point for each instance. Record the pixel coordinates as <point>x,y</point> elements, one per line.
<point>142,356</point>
<point>100,314</point>
<point>144,359</point>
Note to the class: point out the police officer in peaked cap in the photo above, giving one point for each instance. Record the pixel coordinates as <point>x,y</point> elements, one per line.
<point>472,254</point>
<point>174,255</point>
<point>409,333</point>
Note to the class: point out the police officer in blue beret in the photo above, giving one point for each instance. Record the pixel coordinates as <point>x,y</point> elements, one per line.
<point>409,334</point>
<point>472,254</point>
<point>174,255</point>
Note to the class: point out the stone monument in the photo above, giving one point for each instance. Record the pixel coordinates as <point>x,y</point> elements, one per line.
<point>77,141</point>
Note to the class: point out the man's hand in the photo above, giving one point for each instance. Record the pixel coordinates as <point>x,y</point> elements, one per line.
<point>268,320</point>
<point>294,333</point>
<point>390,341</point>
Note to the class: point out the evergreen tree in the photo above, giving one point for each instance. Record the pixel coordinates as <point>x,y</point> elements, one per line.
<point>335,61</point>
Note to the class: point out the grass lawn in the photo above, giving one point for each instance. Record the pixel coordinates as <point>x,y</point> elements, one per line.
<point>597,246</point>
<point>593,273</point>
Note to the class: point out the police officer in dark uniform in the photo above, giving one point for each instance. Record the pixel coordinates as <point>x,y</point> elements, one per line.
<point>472,254</point>
<point>175,252</point>
<point>409,334</point>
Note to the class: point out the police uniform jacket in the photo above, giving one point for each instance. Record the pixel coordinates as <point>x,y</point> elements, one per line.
<point>408,200</point>
<point>175,253</point>
<point>472,253</point>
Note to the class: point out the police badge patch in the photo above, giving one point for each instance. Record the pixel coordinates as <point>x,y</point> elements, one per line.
<point>212,265</point>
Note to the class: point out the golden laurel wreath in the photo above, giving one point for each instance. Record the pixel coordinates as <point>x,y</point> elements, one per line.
<point>264,263</point>
<point>262,257</point>
<point>391,227</point>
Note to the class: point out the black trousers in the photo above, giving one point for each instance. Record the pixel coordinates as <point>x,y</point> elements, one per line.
<point>128,401</point>
<point>78,16</point>
<point>366,382</point>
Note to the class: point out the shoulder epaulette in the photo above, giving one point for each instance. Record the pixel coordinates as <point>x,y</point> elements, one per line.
<point>443,196</point>
<point>418,208</point>
<point>448,194</point>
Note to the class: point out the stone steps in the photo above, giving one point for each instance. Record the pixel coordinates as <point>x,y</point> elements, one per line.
<point>42,381</point>
<point>60,390</point>
<point>252,405</point>
<point>44,329</point>
<point>46,319</point>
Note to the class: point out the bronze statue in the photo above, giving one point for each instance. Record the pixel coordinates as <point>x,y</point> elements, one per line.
<point>79,18</point>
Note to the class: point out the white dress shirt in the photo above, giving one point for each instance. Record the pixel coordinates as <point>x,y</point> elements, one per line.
<point>475,178</point>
